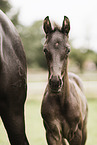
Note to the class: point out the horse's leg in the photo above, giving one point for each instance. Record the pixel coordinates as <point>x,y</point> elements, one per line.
<point>64,141</point>
<point>51,139</point>
<point>53,135</point>
<point>77,140</point>
<point>14,123</point>
<point>84,135</point>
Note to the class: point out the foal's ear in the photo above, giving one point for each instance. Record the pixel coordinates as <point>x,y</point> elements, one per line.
<point>47,25</point>
<point>66,25</point>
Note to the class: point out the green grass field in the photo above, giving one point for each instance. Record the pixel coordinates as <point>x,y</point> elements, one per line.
<point>34,127</point>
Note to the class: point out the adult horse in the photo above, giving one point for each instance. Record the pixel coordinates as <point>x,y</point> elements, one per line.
<point>13,85</point>
<point>64,106</point>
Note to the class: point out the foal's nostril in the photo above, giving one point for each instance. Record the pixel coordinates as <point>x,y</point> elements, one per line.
<point>55,82</point>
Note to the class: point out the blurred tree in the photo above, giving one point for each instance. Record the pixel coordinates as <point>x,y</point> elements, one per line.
<point>79,57</point>
<point>32,38</point>
<point>14,18</point>
<point>5,6</point>
<point>92,56</point>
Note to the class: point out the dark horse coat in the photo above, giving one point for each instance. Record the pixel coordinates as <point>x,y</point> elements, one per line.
<point>13,85</point>
<point>64,106</point>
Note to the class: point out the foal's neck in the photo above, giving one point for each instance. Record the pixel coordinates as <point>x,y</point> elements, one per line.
<point>65,88</point>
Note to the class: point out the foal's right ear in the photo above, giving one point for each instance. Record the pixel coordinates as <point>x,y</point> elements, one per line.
<point>47,25</point>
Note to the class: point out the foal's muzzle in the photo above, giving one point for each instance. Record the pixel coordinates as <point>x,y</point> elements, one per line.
<point>55,83</point>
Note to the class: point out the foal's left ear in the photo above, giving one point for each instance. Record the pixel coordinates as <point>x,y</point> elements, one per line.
<point>66,25</point>
<point>47,25</point>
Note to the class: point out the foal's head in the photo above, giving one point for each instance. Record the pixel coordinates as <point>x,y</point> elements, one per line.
<point>56,49</point>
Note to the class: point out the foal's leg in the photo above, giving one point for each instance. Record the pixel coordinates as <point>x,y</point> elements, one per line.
<point>63,142</point>
<point>77,140</point>
<point>14,123</point>
<point>52,139</point>
<point>53,134</point>
<point>84,135</point>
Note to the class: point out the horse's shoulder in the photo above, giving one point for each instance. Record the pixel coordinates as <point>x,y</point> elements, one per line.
<point>73,78</point>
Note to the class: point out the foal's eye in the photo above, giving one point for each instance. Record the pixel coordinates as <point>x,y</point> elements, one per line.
<point>67,50</point>
<point>45,51</point>
<point>48,54</point>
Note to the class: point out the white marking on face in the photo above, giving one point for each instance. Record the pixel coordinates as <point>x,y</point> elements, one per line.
<point>56,44</point>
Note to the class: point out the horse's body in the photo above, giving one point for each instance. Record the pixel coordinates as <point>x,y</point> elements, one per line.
<point>13,85</point>
<point>64,106</point>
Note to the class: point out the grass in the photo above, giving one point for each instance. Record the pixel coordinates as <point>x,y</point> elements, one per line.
<point>92,122</point>
<point>35,130</point>
<point>34,127</point>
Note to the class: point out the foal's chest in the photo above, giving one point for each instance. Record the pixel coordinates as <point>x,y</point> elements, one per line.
<point>66,123</point>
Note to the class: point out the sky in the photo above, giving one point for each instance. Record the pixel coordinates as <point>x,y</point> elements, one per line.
<point>81,13</point>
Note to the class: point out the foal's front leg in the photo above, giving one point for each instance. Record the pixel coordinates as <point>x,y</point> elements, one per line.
<point>53,133</point>
<point>77,140</point>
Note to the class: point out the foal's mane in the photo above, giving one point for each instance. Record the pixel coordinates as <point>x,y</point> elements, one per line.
<point>56,27</point>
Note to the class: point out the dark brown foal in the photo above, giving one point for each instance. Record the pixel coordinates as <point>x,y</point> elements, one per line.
<point>64,106</point>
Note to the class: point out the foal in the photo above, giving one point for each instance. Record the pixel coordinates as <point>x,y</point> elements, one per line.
<point>64,106</point>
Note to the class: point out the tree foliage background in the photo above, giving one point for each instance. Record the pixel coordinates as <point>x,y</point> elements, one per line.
<point>33,38</point>
<point>5,6</point>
